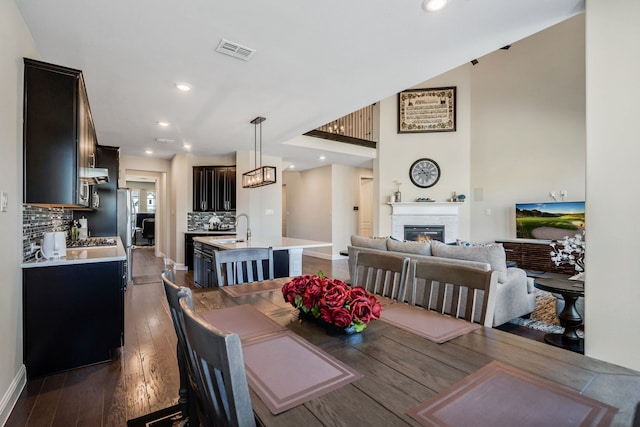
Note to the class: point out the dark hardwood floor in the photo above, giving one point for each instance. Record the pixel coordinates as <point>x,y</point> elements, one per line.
<point>143,377</point>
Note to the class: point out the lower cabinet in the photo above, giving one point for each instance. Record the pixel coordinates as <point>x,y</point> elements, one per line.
<point>73,315</point>
<point>204,274</point>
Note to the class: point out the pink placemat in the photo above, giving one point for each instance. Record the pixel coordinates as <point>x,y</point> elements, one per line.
<point>244,320</point>
<point>285,370</point>
<point>500,395</point>
<point>253,288</point>
<point>431,325</point>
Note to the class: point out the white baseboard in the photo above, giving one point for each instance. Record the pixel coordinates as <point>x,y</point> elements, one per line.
<point>322,255</point>
<point>175,265</point>
<point>12,394</point>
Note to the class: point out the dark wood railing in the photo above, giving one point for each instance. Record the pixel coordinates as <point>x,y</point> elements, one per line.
<point>355,128</point>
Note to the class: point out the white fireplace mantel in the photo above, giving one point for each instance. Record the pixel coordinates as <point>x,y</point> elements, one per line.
<point>425,213</point>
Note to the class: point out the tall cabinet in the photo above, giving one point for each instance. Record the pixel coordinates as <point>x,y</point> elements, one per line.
<point>59,135</point>
<point>214,188</point>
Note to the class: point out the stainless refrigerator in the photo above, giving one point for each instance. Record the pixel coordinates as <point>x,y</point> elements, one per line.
<point>126,225</point>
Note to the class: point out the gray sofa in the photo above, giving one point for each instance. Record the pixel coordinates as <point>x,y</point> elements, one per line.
<point>515,294</point>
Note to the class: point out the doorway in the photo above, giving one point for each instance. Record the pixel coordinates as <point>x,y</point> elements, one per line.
<point>365,209</point>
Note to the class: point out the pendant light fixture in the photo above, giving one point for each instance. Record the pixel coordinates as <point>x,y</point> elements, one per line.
<point>261,175</point>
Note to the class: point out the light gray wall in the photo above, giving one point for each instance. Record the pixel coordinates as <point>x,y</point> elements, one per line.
<point>15,43</point>
<point>612,291</point>
<point>451,150</point>
<point>527,127</point>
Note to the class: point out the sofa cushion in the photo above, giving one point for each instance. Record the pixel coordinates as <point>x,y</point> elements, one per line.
<point>493,255</point>
<point>366,242</point>
<point>418,248</point>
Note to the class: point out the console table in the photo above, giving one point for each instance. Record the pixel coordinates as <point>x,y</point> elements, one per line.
<point>530,254</point>
<point>569,317</point>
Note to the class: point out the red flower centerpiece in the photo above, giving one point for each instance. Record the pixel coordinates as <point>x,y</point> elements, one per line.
<point>332,301</point>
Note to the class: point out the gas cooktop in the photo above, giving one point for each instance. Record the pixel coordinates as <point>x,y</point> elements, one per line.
<point>91,241</point>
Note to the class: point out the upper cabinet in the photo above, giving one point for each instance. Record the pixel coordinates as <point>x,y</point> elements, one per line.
<point>214,188</point>
<point>59,136</point>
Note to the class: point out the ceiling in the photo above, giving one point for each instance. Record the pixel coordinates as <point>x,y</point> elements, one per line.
<point>314,62</point>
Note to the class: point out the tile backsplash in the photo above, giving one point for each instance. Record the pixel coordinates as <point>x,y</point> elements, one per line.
<point>36,221</point>
<point>197,220</point>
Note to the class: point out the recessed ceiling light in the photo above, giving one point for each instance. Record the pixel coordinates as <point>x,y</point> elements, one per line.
<point>148,152</point>
<point>323,157</point>
<point>433,5</point>
<point>185,87</point>
<point>163,124</point>
<point>292,166</point>
<point>187,146</point>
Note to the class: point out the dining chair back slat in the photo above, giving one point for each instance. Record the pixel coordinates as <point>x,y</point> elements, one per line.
<point>219,365</point>
<point>459,291</point>
<point>380,274</point>
<point>237,266</point>
<point>188,384</point>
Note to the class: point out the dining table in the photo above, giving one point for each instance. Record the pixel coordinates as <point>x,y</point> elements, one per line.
<point>399,370</point>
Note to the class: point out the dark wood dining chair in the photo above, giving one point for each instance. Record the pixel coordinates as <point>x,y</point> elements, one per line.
<point>463,292</point>
<point>219,366</point>
<point>188,384</point>
<point>384,275</point>
<point>237,266</point>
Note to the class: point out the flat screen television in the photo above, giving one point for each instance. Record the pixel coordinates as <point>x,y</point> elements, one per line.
<point>549,221</point>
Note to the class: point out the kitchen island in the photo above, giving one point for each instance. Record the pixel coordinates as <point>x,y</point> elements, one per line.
<point>73,309</point>
<point>287,251</point>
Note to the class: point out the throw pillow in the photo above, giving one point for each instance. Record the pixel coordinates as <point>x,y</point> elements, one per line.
<point>418,248</point>
<point>366,242</point>
<point>481,244</point>
<point>493,255</point>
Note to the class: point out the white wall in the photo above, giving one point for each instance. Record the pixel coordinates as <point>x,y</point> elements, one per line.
<point>160,170</point>
<point>309,205</point>
<point>15,43</point>
<point>527,127</point>
<point>262,204</point>
<point>346,195</point>
<point>451,150</point>
<point>320,205</point>
<point>613,88</point>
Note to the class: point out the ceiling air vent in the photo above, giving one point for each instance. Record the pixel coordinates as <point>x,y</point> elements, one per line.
<point>165,140</point>
<point>235,50</point>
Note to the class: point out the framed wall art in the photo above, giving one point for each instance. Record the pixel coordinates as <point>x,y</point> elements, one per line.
<point>427,110</point>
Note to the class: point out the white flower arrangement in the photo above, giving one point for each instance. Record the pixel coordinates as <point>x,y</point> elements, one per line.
<point>572,253</point>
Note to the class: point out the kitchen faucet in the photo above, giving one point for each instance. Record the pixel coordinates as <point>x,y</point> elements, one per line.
<point>248,228</point>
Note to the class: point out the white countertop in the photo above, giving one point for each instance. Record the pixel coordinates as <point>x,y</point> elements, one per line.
<point>277,243</point>
<point>83,256</point>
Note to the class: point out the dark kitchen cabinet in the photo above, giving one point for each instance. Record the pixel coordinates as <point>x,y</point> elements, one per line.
<point>214,188</point>
<point>59,136</point>
<point>203,266</point>
<point>103,220</point>
<point>73,315</point>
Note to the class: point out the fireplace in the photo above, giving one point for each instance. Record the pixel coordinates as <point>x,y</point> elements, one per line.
<point>421,233</point>
<point>420,214</point>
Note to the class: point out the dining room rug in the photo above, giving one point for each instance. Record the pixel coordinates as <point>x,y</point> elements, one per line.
<point>544,317</point>
<point>166,417</point>
<point>285,370</point>
<point>253,288</point>
<point>509,393</point>
<point>146,279</point>
<point>244,320</point>
<point>433,326</point>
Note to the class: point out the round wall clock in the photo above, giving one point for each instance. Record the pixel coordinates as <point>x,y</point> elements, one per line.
<point>424,173</point>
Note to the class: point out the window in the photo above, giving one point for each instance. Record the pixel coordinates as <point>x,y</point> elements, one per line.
<point>151,202</point>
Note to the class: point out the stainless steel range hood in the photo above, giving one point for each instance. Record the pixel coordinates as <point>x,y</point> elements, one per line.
<point>95,175</point>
